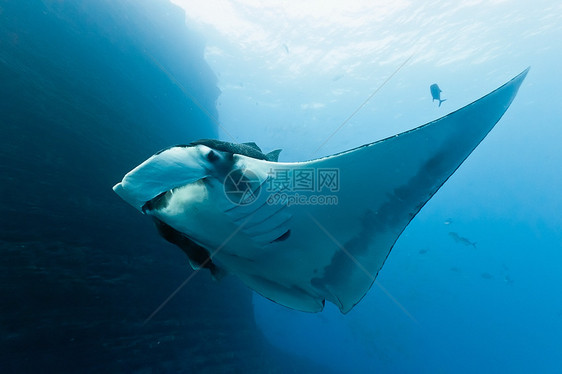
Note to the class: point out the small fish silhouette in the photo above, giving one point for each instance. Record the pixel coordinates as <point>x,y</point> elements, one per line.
<point>436,93</point>
<point>459,239</point>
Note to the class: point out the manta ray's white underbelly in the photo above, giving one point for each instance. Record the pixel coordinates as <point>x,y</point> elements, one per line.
<point>198,211</point>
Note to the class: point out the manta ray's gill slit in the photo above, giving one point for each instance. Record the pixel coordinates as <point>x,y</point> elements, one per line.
<point>283,237</point>
<point>265,228</point>
<point>260,213</point>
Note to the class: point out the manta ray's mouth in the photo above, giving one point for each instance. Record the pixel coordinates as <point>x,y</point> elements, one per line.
<point>159,202</point>
<point>190,192</point>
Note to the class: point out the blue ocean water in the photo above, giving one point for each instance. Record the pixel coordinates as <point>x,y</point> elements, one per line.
<point>91,89</point>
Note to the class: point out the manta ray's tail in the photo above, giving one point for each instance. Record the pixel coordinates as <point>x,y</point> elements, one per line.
<point>440,101</point>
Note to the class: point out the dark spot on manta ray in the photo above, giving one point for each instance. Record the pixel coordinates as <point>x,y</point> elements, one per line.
<point>212,156</point>
<point>375,223</point>
<point>283,237</point>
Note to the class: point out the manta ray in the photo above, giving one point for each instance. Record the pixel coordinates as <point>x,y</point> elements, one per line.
<point>301,233</point>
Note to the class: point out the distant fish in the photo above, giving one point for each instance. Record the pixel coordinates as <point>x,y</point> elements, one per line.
<point>337,77</point>
<point>448,221</point>
<point>423,251</point>
<point>436,93</point>
<point>459,239</point>
<point>487,276</point>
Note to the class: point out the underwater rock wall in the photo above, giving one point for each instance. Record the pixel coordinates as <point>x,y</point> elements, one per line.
<point>89,89</point>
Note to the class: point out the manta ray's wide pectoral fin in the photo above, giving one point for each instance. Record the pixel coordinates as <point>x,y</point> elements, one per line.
<point>335,251</point>
<point>290,296</point>
<point>385,184</point>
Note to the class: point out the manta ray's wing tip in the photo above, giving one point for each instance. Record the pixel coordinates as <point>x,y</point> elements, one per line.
<point>521,76</point>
